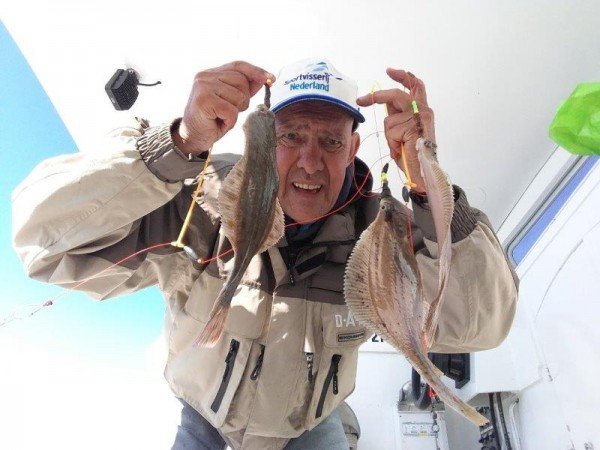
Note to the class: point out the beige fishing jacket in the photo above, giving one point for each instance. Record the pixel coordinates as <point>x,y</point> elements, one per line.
<point>289,352</point>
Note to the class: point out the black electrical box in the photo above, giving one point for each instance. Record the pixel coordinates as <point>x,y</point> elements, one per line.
<point>122,89</point>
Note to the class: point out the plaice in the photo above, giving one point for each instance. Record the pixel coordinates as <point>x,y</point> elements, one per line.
<point>251,216</point>
<point>384,290</point>
<point>440,197</point>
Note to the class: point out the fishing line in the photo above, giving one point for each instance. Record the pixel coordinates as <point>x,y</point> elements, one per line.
<point>179,243</point>
<point>373,192</point>
<point>374,114</point>
<point>69,291</point>
<point>408,183</point>
<point>358,191</point>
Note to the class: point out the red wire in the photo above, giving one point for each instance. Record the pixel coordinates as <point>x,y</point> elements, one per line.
<point>205,261</point>
<point>69,291</point>
<point>220,255</point>
<point>358,192</point>
<point>119,262</point>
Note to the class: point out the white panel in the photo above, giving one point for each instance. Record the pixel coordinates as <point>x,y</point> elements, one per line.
<point>378,383</point>
<point>567,325</point>
<point>414,431</point>
<point>560,281</point>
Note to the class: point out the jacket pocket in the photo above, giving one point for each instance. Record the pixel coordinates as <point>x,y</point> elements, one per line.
<point>330,379</point>
<point>208,377</point>
<point>337,358</point>
<point>229,365</point>
<point>247,311</point>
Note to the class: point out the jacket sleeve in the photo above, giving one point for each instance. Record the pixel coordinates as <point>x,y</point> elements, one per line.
<point>481,294</point>
<point>77,215</point>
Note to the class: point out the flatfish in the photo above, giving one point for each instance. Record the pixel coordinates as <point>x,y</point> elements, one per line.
<point>251,216</point>
<point>384,290</point>
<point>440,197</point>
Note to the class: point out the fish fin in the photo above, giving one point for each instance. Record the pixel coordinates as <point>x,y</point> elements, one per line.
<point>357,292</point>
<point>216,320</point>
<point>229,195</point>
<point>440,197</point>
<point>277,228</point>
<point>433,313</point>
<point>440,194</point>
<point>214,327</point>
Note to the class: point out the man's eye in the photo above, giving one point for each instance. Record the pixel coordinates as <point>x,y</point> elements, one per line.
<point>290,137</point>
<point>332,143</point>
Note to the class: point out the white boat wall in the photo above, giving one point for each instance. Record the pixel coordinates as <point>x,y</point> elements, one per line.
<point>547,367</point>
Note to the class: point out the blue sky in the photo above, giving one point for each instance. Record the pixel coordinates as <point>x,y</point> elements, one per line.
<point>116,330</point>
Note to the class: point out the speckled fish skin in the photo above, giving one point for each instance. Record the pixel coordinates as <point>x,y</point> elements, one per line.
<point>384,290</point>
<point>440,197</point>
<point>251,216</point>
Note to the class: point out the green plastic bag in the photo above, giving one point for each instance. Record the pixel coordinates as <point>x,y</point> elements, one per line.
<point>576,126</point>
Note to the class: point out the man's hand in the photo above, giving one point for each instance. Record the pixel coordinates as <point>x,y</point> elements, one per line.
<point>400,126</point>
<point>217,97</point>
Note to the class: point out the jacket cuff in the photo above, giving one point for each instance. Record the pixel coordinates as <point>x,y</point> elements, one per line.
<point>463,220</point>
<point>164,159</point>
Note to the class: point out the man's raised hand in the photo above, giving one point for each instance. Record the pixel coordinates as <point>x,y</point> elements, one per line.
<point>400,125</point>
<point>217,97</point>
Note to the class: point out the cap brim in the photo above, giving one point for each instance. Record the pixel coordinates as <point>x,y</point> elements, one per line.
<point>353,112</point>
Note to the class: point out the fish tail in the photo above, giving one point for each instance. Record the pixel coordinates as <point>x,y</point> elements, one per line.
<point>216,322</point>
<point>448,397</point>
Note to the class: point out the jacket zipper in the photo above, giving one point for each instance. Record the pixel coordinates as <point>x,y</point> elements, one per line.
<point>310,357</point>
<point>290,261</point>
<point>331,377</point>
<point>256,372</point>
<point>229,363</point>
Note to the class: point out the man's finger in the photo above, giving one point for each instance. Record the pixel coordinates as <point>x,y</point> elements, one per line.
<point>255,75</point>
<point>225,112</point>
<point>397,133</point>
<point>235,79</point>
<point>394,97</point>
<point>233,95</point>
<point>394,120</point>
<point>411,82</point>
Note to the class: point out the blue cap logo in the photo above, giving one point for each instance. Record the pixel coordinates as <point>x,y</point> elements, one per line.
<point>321,67</point>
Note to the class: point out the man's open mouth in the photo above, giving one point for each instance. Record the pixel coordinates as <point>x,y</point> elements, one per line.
<point>312,188</point>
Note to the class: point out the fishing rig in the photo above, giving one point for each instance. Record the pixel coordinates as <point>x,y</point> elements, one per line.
<point>26,311</point>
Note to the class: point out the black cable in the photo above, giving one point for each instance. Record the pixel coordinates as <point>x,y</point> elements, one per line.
<point>503,422</point>
<point>153,84</point>
<point>494,423</point>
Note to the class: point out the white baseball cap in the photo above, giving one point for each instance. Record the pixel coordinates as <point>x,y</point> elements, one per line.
<point>315,79</point>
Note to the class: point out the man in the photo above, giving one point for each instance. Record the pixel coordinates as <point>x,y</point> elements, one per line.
<point>283,364</point>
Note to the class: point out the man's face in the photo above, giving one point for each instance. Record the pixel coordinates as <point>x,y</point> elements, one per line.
<point>315,144</point>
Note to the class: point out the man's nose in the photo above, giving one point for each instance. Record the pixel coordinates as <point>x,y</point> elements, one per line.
<point>310,157</point>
